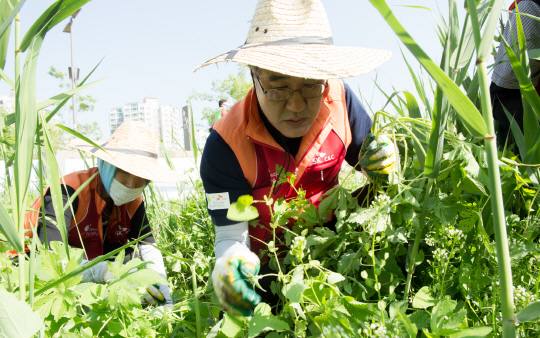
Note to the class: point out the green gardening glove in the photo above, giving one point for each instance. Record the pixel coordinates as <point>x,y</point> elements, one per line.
<point>377,156</point>
<point>231,280</point>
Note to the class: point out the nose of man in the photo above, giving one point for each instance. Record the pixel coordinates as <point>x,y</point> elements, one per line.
<point>296,103</point>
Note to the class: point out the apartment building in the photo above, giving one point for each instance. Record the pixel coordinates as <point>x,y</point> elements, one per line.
<point>164,120</point>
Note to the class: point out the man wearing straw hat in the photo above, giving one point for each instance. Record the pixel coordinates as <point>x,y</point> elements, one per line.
<point>296,119</point>
<point>109,211</point>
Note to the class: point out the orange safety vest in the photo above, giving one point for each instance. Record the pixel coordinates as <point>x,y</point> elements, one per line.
<point>86,223</point>
<point>316,165</point>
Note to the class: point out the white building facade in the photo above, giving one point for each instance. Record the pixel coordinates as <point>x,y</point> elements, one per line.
<point>7,103</point>
<point>163,120</point>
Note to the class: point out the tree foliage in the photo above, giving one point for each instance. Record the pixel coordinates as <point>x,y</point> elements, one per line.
<point>233,88</point>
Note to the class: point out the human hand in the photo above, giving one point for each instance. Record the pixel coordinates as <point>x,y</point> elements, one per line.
<point>231,273</point>
<point>99,273</point>
<point>377,156</point>
<point>158,295</point>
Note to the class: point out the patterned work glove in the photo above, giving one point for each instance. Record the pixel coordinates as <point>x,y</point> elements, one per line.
<point>230,274</point>
<point>158,295</point>
<point>377,156</point>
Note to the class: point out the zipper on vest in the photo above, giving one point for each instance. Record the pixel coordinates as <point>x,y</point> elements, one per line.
<point>322,176</point>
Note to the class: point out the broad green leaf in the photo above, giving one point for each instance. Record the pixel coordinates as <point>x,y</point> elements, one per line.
<point>6,7</point>
<point>245,200</point>
<point>6,20</point>
<point>335,277</point>
<point>442,309</point>
<point>17,320</point>
<point>464,107</point>
<point>530,312</point>
<point>294,291</point>
<point>240,213</point>
<point>411,329</point>
<point>88,265</point>
<point>263,323</point>
<point>473,332</point>
<point>423,299</point>
<point>123,293</point>
<point>232,326</point>
<point>452,323</point>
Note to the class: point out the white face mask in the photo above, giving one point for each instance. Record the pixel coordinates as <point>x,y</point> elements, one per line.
<point>121,194</point>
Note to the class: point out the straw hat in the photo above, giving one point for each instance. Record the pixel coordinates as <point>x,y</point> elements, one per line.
<point>293,37</point>
<point>133,148</point>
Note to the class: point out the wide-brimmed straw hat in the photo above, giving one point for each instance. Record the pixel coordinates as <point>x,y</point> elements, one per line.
<point>293,37</point>
<point>134,148</point>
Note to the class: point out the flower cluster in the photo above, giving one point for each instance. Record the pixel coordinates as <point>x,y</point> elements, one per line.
<point>522,297</point>
<point>440,254</point>
<point>430,240</point>
<point>390,329</point>
<point>516,244</point>
<point>452,233</point>
<point>298,247</point>
<point>380,201</point>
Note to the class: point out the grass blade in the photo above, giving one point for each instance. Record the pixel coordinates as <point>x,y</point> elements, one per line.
<point>57,98</point>
<point>53,15</point>
<point>464,107</point>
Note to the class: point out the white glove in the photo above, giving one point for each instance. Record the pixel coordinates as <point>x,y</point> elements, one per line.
<point>99,273</point>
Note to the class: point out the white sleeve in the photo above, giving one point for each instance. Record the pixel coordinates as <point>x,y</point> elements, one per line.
<point>228,235</point>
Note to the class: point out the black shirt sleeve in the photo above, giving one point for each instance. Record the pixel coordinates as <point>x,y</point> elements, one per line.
<point>221,173</point>
<point>360,123</point>
<point>53,233</point>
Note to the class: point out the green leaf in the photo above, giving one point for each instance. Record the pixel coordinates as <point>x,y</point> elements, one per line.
<point>294,291</point>
<point>66,95</point>
<point>439,312</point>
<point>464,107</point>
<point>473,332</point>
<point>530,312</point>
<point>9,230</point>
<point>240,213</point>
<point>52,16</point>
<point>55,188</point>
<point>17,320</point>
<point>232,326</point>
<point>263,323</point>
<point>123,293</point>
<point>419,258</point>
<point>335,277</point>
<point>423,299</point>
<point>88,265</point>
<point>409,327</point>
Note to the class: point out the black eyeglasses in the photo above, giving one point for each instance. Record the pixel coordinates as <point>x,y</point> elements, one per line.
<point>308,91</point>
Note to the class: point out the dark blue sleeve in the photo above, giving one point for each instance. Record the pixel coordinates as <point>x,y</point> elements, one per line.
<point>360,123</point>
<point>221,173</point>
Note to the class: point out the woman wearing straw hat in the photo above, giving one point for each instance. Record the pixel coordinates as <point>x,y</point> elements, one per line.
<point>296,119</point>
<point>109,211</point>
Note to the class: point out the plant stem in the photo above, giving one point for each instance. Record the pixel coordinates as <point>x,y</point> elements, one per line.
<point>21,258</point>
<point>497,207</point>
<point>196,299</point>
<point>417,239</point>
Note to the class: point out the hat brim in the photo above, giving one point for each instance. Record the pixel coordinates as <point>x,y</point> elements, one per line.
<point>141,166</point>
<point>309,61</point>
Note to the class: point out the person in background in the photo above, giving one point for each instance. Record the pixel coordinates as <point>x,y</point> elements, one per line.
<point>297,118</point>
<point>109,212</point>
<point>220,112</point>
<point>505,90</point>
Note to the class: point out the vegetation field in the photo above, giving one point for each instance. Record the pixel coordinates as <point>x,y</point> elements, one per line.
<point>447,246</point>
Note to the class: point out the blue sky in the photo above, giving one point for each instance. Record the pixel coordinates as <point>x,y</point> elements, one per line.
<point>150,48</point>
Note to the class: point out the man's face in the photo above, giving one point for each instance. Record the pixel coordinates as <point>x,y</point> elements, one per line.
<point>294,116</point>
